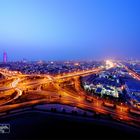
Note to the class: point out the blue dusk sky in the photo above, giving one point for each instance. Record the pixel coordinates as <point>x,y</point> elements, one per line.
<point>69,29</point>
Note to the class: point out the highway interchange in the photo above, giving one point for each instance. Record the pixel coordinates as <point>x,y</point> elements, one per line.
<point>63,89</point>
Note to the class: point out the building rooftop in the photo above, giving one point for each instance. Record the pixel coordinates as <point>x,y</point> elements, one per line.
<point>134,88</point>
<point>133,85</point>
<point>106,81</point>
<point>99,90</point>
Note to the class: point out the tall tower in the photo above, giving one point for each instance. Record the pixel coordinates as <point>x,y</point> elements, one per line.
<point>4,57</point>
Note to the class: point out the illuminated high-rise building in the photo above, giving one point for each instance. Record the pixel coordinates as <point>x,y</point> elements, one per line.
<point>4,57</point>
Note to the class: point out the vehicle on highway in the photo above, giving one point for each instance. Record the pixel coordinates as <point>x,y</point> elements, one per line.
<point>108,104</point>
<point>134,112</point>
<point>89,99</point>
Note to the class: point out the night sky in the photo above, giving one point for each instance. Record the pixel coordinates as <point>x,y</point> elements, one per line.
<point>69,29</point>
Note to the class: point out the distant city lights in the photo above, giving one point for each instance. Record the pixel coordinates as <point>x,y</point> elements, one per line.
<point>109,64</point>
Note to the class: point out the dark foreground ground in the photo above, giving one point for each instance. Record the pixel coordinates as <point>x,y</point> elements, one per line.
<point>41,125</point>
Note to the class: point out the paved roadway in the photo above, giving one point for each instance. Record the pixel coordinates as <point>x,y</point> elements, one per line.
<point>69,97</point>
<point>131,72</point>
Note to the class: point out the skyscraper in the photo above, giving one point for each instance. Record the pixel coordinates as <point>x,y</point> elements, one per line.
<point>4,57</point>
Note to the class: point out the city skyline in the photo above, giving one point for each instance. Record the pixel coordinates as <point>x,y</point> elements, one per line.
<point>69,69</point>
<point>60,30</point>
<point>106,94</point>
<point>4,59</point>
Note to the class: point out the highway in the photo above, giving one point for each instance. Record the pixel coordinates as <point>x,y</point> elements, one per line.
<point>17,91</point>
<point>64,95</point>
<point>132,73</point>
